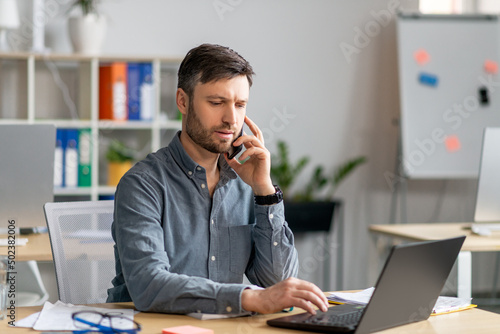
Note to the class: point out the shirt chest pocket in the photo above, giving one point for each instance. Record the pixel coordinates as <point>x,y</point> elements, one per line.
<point>241,246</point>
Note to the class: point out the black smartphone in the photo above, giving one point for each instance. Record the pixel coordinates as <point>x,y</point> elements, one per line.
<point>234,150</point>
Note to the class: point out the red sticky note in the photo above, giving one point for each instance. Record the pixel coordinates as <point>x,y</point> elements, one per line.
<point>452,143</point>
<point>421,56</point>
<point>187,330</point>
<point>490,66</point>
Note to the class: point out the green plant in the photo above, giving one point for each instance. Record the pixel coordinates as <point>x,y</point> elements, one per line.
<point>285,173</point>
<point>87,6</point>
<point>118,152</point>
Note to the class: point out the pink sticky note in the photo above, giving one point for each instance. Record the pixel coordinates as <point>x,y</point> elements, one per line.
<point>490,66</point>
<point>452,143</point>
<point>187,330</point>
<point>421,57</point>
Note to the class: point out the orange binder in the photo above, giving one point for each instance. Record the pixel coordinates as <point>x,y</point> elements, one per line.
<point>113,91</point>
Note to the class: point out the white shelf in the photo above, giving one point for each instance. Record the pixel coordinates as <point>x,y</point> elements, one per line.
<point>73,191</point>
<point>35,81</point>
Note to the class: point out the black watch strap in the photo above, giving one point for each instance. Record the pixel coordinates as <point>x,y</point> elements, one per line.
<point>270,199</point>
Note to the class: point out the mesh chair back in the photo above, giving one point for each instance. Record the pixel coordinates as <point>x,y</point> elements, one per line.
<point>82,248</point>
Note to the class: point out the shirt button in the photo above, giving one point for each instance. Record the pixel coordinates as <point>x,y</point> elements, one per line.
<point>198,168</point>
<point>213,258</point>
<point>190,173</point>
<point>275,243</point>
<point>229,309</point>
<point>203,185</point>
<point>271,216</point>
<point>213,222</point>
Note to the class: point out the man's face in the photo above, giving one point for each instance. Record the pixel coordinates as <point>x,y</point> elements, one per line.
<point>216,113</point>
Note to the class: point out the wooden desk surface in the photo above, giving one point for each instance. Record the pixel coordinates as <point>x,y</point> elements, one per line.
<point>470,321</point>
<point>434,231</point>
<point>37,248</point>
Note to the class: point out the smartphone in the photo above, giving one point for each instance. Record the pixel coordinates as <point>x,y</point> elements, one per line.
<point>234,150</point>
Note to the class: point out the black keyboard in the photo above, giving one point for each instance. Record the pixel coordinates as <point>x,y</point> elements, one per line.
<point>348,320</point>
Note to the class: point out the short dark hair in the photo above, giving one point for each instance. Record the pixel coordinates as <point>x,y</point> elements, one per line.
<point>211,62</point>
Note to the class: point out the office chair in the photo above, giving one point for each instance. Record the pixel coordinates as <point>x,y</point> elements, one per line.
<point>82,248</point>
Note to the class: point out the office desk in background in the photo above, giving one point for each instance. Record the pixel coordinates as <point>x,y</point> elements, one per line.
<point>434,231</point>
<point>465,322</point>
<point>37,248</point>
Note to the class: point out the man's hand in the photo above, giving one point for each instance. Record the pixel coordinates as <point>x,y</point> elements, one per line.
<point>256,171</point>
<point>285,294</point>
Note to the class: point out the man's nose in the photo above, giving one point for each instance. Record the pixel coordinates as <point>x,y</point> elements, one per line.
<point>230,114</point>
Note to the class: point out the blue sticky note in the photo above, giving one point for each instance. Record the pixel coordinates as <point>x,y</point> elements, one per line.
<point>428,79</point>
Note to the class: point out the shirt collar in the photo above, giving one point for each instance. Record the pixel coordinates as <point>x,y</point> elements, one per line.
<point>189,166</point>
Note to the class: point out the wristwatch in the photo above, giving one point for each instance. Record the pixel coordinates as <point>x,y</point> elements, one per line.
<point>270,199</point>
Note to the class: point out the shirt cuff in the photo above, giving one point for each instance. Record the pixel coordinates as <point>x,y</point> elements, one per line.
<point>270,216</point>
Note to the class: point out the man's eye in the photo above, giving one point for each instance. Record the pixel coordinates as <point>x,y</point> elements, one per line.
<point>215,103</point>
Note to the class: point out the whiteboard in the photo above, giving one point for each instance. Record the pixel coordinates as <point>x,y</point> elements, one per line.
<point>449,92</point>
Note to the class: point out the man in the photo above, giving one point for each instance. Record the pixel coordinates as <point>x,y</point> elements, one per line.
<point>189,222</point>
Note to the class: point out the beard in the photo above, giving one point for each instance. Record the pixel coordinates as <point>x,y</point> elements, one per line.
<point>203,136</point>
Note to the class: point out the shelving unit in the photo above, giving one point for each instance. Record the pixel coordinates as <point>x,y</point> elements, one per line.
<point>62,89</point>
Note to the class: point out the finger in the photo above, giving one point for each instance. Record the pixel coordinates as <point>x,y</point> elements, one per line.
<point>312,298</point>
<point>253,152</point>
<point>313,288</point>
<point>254,128</point>
<point>304,304</point>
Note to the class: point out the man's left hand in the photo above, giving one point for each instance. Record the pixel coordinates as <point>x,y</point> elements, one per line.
<point>256,171</point>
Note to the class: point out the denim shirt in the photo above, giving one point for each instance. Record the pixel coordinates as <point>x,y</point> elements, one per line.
<point>177,250</point>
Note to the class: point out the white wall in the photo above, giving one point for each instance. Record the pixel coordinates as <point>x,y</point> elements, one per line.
<point>339,106</point>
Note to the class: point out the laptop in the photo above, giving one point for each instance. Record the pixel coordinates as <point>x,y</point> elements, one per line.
<point>26,173</point>
<point>406,291</point>
<point>487,211</point>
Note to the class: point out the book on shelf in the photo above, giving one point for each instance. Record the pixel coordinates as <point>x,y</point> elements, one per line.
<point>73,158</point>
<point>141,94</point>
<point>113,91</point>
<point>85,156</point>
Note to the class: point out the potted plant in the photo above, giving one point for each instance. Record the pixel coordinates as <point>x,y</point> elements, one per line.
<point>308,209</point>
<point>120,159</point>
<point>86,31</point>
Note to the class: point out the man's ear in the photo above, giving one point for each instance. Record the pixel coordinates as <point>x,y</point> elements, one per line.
<point>182,100</point>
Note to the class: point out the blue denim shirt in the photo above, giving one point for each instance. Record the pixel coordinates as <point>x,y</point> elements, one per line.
<point>178,250</point>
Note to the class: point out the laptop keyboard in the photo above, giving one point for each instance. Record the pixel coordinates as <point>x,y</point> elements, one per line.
<point>349,320</point>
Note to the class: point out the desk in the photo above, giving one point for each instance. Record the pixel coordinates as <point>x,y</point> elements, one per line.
<point>37,248</point>
<point>434,231</point>
<point>470,321</point>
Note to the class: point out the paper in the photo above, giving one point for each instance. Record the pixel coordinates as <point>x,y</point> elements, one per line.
<point>19,242</point>
<point>443,304</point>
<point>57,317</point>
<point>27,322</point>
<point>451,304</point>
<point>211,316</point>
<point>358,298</point>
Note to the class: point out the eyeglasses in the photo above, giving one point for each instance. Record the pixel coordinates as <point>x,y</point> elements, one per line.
<point>90,321</point>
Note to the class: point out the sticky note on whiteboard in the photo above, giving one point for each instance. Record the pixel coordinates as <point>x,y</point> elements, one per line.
<point>421,56</point>
<point>452,143</point>
<point>490,66</point>
<point>428,79</point>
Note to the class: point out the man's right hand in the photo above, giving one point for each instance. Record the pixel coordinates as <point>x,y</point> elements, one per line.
<point>285,294</point>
